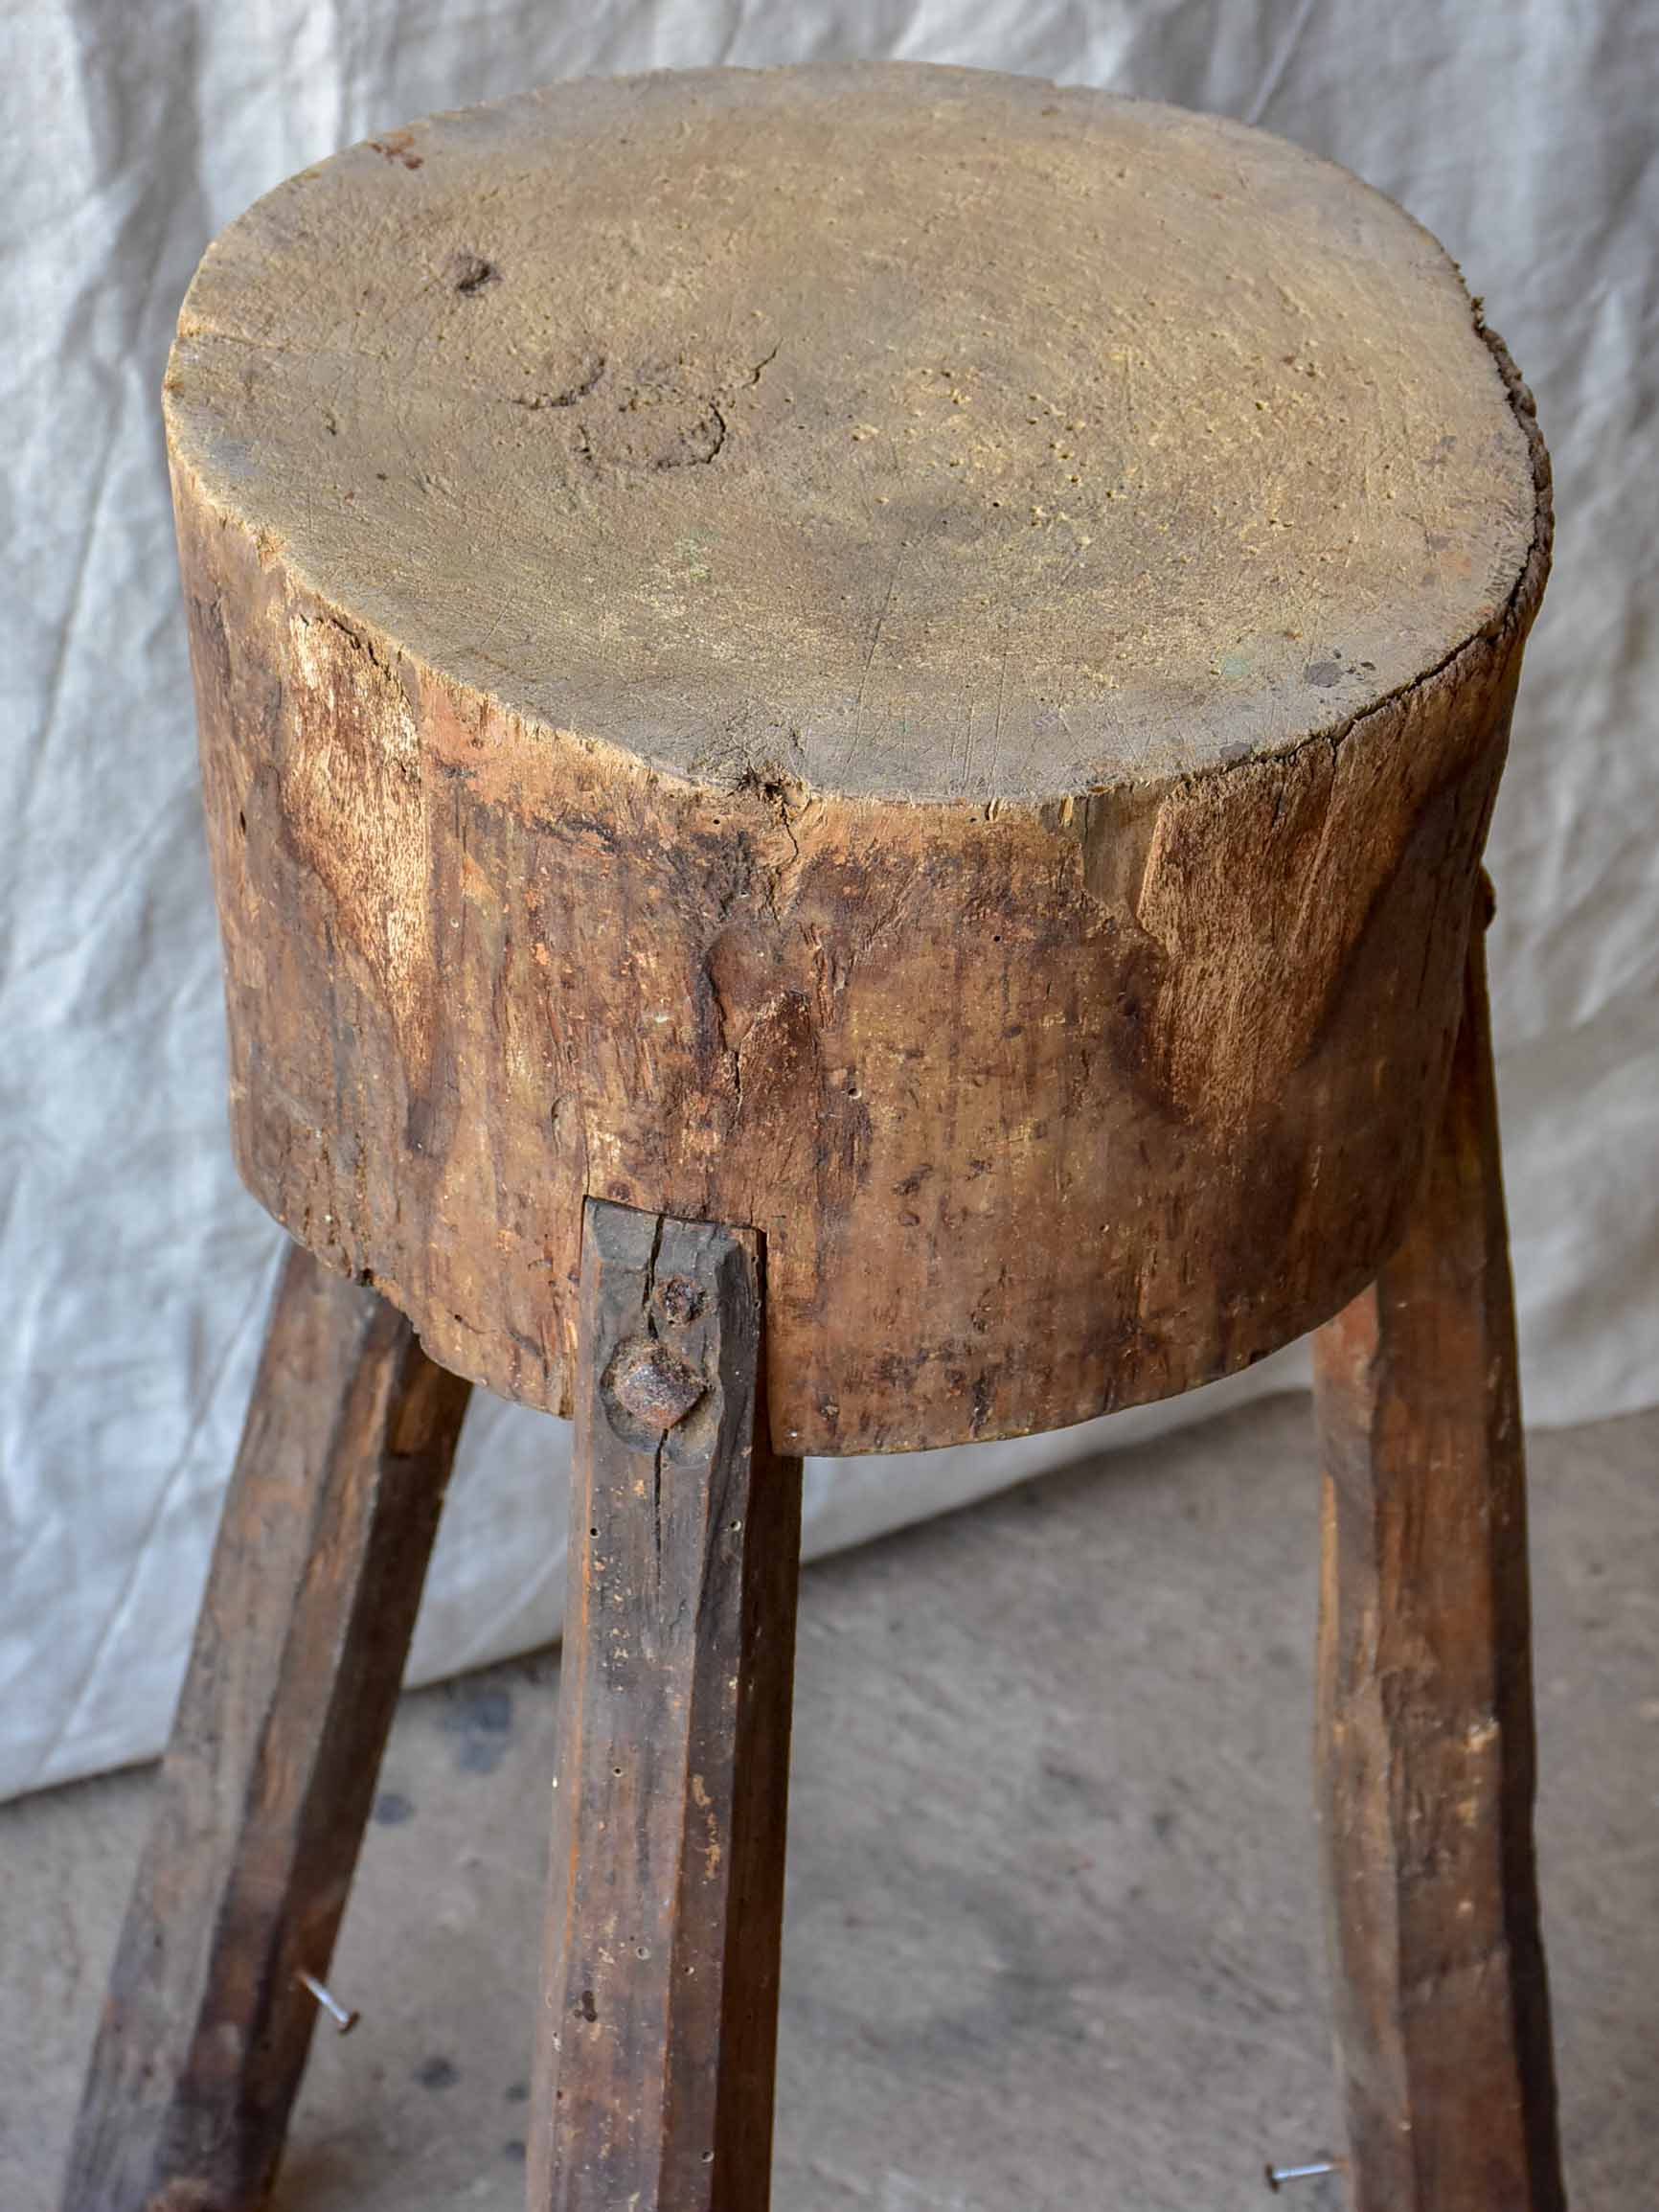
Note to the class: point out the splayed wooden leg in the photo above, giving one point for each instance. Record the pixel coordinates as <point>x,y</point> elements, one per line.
<point>1426,1734</point>
<point>659,2028</point>
<point>267,1783</point>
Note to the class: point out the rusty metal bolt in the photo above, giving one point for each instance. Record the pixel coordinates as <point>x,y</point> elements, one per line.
<point>654,1383</point>
<point>679,1299</point>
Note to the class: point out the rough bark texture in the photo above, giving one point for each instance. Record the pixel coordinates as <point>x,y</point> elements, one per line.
<point>666,1890</point>
<point>1071,1022</point>
<point>268,1781</point>
<point>1426,1738</point>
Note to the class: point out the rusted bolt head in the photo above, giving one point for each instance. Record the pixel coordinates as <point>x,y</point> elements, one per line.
<point>679,1299</point>
<point>654,1383</point>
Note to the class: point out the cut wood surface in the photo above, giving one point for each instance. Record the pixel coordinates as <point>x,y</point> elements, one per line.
<point>268,1780</point>
<point>666,1890</point>
<point>1426,1734</point>
<point>894,655</point>
<point>921,434</point>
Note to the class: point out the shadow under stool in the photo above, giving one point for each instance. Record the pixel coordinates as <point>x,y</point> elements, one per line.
<point>847,720</point>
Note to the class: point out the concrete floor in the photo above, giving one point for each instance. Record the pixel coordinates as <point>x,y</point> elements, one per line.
<point>1053,1938</point>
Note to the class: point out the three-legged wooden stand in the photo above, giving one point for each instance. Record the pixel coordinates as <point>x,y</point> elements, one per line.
<point>655,2052</point>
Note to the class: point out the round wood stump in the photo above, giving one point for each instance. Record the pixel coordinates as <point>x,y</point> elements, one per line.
<point>901,656</point>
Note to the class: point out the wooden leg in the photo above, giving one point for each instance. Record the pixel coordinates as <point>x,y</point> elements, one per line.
<point>665,1895</point>
<point>268,1781</point>
<point>1426,1744</point>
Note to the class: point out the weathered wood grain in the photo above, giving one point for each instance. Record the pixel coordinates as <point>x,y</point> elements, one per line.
<point>1425,1712</point>
<point>919,434</point>
<point>268,1780</point>
<point>666,1891</point>
<point>1029,767</point>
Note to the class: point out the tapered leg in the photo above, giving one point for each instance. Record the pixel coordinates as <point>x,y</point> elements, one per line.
<point>1426,1740</point>
<point>268,1784</point>
<point>666,1894</point>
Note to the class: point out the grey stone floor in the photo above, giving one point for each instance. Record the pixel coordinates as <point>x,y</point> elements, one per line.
<point>1052,1932</point>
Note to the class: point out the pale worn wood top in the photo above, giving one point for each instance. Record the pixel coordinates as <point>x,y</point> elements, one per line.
<point>884,429</point>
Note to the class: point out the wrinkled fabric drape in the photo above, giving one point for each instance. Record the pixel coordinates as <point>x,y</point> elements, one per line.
<point>134,1269</point>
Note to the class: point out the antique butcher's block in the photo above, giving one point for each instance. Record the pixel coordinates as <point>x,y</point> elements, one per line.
<point>847,719</point>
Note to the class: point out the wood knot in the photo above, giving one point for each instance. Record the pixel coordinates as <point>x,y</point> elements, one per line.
<point>654,1384</point>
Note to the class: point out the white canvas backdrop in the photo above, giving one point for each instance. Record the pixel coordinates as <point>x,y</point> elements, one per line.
<point>133,1270</point>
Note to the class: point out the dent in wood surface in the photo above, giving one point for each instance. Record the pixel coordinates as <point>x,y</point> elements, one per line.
<point>1426,1732</point>
<point>666,1890</point>
<point>269,1779</point>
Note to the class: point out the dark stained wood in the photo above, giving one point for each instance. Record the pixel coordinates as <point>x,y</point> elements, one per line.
<point>715,696</point>
<point>1425,1713</point>
<point>268,1781</point>
<point>666,1892</point>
